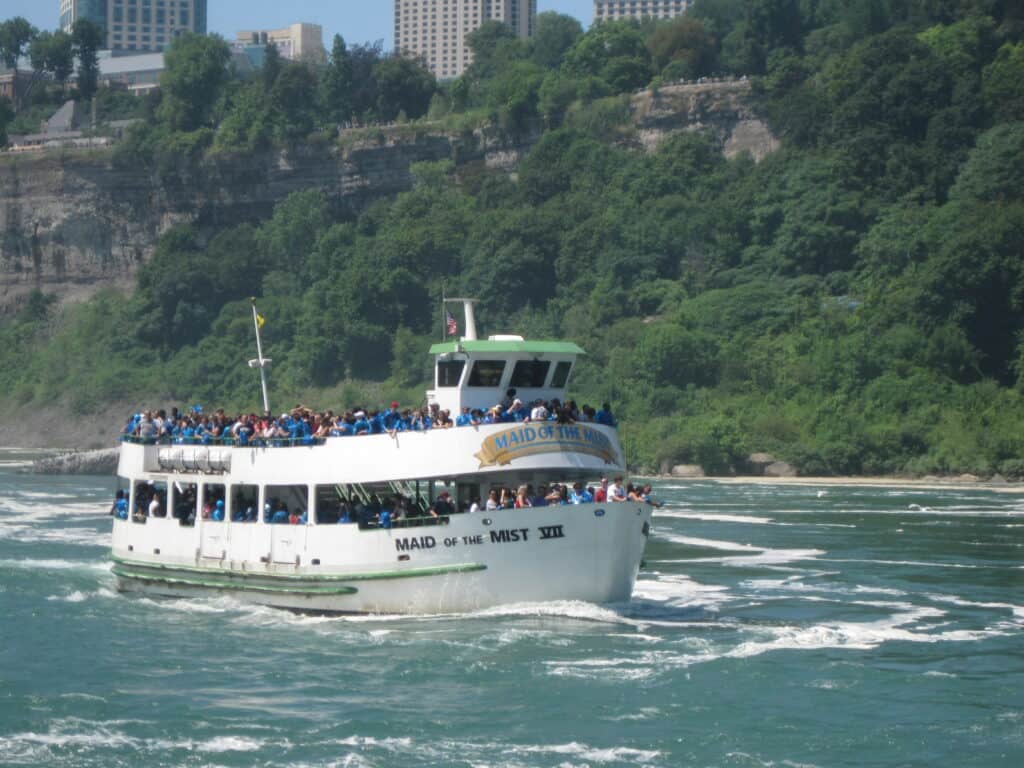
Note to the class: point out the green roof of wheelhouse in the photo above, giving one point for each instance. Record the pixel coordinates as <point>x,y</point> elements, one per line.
<point>526,347</point>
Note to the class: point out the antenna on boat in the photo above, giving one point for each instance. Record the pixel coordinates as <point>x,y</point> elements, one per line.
<point>467,306</point>
<point>260,362</point>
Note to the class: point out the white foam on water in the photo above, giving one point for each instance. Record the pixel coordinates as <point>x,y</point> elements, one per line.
<point>74,597</point>
<point>568,609</point>
<point>229,744</point>
<point>917,563</point>
<point>1016,610</point>
<point>585,752</point>
<point>714,517</point>
<point>55,565</point>
<point>732,546</point>
<point>937,673</point>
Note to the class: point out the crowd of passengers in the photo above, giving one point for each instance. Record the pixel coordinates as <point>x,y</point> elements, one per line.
<point>303,424</point>
<point>376,512</point>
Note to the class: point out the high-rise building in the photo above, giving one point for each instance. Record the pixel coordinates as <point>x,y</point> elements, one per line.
<point>137,25</point>
<point>436,30</point>
<point>610,10</point>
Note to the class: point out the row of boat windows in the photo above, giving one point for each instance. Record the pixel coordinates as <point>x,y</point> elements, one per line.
<point>289,504</point>
<point>526,374</point>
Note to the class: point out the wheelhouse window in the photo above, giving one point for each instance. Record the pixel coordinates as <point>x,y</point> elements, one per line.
<point>486,373</point>
<point>561,377</point>
<point>530,374</point>
<point>449,372</point>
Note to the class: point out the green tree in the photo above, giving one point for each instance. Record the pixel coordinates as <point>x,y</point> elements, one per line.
<point>403,85</point>
<point>53,53</point>
<point>554,35</point>
<point>15,36</point>
<point>613,51</point>
<point>684,45</point>
<point>336,83</point>
<point>293,100</point>
<point>88,38</point>
<point>272,66</point>
<point>193,82</point>
<point>1003,83</point>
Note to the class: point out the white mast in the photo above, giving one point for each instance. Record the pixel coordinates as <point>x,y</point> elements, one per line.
<point>467,308</point>
<point>260,362</point>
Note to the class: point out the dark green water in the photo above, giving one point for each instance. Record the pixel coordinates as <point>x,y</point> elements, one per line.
<point>773,626</point>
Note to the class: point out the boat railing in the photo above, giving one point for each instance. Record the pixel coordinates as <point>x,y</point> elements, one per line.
<point>410,522</point>
<point>228,442</point>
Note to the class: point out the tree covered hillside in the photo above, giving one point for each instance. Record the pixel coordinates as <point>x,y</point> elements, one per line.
<point>854,303</point>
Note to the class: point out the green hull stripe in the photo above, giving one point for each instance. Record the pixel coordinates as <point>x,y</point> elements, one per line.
<point>409,573</point>
<point>127,573</point>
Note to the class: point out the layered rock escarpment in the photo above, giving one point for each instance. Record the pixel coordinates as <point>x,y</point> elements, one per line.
<point>72,222</point>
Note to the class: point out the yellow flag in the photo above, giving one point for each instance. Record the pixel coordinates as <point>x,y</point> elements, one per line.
<point>260,320</point>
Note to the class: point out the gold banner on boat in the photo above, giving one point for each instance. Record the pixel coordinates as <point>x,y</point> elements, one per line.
<point>528,440</point>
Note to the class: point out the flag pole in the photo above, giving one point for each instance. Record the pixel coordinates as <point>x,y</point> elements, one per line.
<point>444,316</point>
<point>260,362</point>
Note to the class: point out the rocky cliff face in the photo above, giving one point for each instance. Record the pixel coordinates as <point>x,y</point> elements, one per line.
<point>72,222</point>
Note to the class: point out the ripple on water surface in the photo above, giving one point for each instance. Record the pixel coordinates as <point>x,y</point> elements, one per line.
<point>769,627</point>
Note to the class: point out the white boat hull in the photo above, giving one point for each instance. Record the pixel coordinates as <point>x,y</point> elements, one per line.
<point>588,552</point>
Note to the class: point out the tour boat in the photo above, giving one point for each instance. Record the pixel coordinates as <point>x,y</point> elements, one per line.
<point>449,563</point>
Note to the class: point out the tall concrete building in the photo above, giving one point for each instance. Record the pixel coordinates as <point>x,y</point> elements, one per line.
<point>611,10</point>
<point>137,25</point>
<point>436,30</point>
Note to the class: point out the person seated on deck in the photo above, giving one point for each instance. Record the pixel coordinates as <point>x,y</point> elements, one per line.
<point>384,518</point>
<point>580,495</point>
<point>156,506</point>
<point>362,424</point>
<point>442,506</point>
<point>517,412</point>
<point>119,508</point>
<point>294,517</point>
<point>646,494</point>
<point>633,493</point>
<point>218,511</point>
<point>443,420</point>
<point>601,494</point>
<point>420,421</point>
<point>492,500</point>
<point>391,418</point>
<point>539,412</point>
<point>280,516</point>
<point>615,491</point>
<point>523,497</point>
<point>605,416</point>
<point>464,419</point>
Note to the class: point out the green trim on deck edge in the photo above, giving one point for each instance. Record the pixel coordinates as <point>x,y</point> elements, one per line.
<point>528,347</point>
<point>128,573</point>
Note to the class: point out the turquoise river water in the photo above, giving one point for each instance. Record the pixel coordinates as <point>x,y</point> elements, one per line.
<point>771,626</point>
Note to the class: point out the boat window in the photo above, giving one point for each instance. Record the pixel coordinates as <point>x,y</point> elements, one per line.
<point>214,501</point>
<point>245,503</point>
<point>333,505</point>
<point>186,497</point>
<point>150,500</point>
<point>486,373</point>
<point>530,374</point>
<point>561,377</point>
<point>286,504</point>
<point>449,372</point>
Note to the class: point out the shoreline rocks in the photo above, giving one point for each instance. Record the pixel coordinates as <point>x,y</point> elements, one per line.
<point>100,462</point>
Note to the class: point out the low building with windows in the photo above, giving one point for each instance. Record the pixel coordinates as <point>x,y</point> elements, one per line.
<point>612,10</point>
<point>137,25</point>
<point>296,42</point>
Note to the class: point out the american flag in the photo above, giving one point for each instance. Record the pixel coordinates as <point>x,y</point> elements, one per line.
<point>450,324</point>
